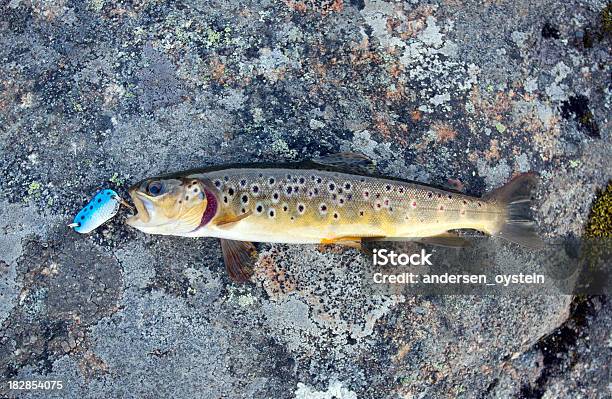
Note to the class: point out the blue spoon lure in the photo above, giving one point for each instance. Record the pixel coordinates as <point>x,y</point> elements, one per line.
<point>104,205</point>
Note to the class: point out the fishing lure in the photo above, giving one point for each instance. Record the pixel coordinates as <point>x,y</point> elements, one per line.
<point>103,206</point>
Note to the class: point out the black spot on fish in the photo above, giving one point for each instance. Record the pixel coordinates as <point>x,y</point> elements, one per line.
<point>302,180</point>
<point>90,207</point>
<point>271,213</point>
<point>243,183</point>
<point>99,200</point>
<point>245,199</point>
<point>259,209</point>
<point>271,181</point>
<point>301,208</point>
<point>230,191</point>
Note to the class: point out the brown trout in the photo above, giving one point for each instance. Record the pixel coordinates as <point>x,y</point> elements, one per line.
<point>330,200</point>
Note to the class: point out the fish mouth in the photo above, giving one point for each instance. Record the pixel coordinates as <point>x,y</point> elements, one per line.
<point>143,204</point>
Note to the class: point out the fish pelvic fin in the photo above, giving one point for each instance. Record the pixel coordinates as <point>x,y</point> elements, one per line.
<point>518,225</point>
<point>239,257</point>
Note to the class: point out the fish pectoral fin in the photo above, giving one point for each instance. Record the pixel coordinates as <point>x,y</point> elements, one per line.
<point>350,161</point>
<point>239,257</point>
<point>224,221</point>
<point>450,240</point>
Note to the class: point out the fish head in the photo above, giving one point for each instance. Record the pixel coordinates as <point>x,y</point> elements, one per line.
<point>171,206</point>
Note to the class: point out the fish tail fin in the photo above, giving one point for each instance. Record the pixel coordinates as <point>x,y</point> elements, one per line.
<point>518,225</point>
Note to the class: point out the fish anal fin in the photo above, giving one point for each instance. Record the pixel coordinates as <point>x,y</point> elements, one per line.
<point>224,221</point>
<point>239,257</point>
<point>447,239</point>
<point>347,241</point>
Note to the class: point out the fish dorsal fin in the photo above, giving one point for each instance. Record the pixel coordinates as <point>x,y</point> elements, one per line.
<point>349,161</point>
<point>239,257</point>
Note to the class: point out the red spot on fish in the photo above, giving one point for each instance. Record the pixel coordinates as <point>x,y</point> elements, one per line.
<point>414,204</point>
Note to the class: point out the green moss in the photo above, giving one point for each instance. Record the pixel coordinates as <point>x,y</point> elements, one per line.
<point>115,179</point>
<point>33,188</point>
<point>600,218</point>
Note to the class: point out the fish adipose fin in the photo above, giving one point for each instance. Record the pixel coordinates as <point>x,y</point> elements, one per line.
<point>348,161</point>
<point>519,226</point>
<point>239,257</point>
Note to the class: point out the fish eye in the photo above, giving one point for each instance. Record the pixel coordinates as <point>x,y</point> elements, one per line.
<point>154,188</point>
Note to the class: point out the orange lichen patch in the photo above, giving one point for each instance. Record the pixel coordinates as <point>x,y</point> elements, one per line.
<point>396,69</point>
<point>415,22</point>
<point>92,366</point>
<point>416,115</point>
<point>402,351</point>
<point>296,5</point>
<point>361,54</point>
<point>217,70</point>
<point>444,131</point>
<point>493,152</point>
<point>493,107</point>
<point>323,7</point>
<point>395,93</point>
<point>381,123</point>
<point>275,280</point>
